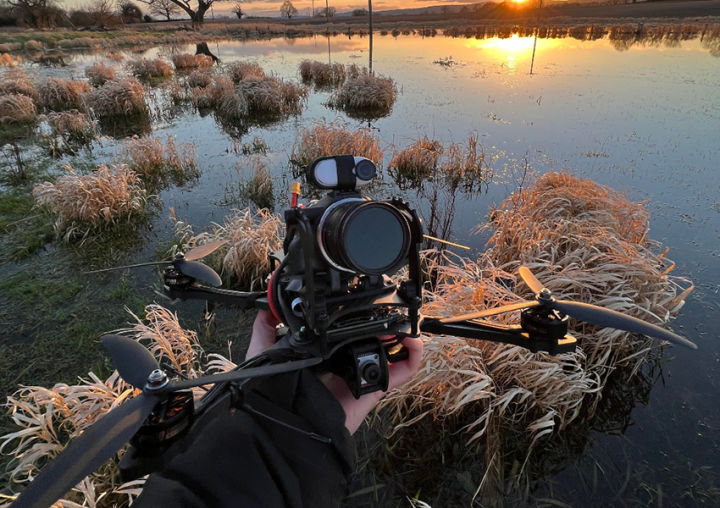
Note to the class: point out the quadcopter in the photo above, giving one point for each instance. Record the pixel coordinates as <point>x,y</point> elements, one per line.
<point>330,286</point>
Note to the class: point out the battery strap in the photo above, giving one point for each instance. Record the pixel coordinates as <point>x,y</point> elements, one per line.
<point>345,171</point>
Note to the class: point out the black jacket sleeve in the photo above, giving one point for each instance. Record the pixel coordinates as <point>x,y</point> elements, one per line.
<point>245,458</point>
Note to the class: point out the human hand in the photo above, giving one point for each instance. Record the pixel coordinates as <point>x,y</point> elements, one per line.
<point>263,334</point>
<point>400,373</point>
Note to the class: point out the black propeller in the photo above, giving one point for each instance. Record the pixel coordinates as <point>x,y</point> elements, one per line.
<point>589,313</point>
<point>186,264</point>
<point>100,441</point>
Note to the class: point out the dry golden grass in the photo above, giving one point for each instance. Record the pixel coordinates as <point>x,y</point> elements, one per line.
<point>119,97</point>
<point>8,60</point>
<point>156,162</point>
<point>87,203</point>
<point>47,418</point>
<point>271,97</point>
<point>16,109</point>
<point>584,242</point>
<point>258,188</point>
<point>334,138</point>
<point>199,79</point>
<point>455,167</point>
<point>33,45</point>
<point>224,98</point>
<point>16,81</point>
<point>239,71</point>
<point>417,162</point>
<point>73,127</point>
<point>184,61</point>
<point>98,74</point>
<point>150,69</point>
<point>365,95</point>
<point>322,75</point>
<point>250,236</point>
<point>58,94</point>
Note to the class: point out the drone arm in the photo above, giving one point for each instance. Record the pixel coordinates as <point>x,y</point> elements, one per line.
<point>505,334</point>
<point>242,300</point>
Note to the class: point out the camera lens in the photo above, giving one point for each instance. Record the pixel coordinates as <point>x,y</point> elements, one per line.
<point>365,170</point>
<point>370,372</point>
<point>368,237</point>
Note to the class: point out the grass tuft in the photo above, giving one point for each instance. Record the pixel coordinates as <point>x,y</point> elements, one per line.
<point>365,95</point>
<point>16,81</point>
<point>184,61</point>
<point>89,203</point>
<point>250,236</point>
<point>150,69</point>
<point>118,98</point>
<point>322,75</point>
<point>58,94</point>
<point>16,109</point>
<point>239,71</point>
<point>334,138</point>
<point>156,162</point>
<point>98,74</point>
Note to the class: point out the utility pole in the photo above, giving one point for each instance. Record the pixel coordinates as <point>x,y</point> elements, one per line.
<point>371,34</point>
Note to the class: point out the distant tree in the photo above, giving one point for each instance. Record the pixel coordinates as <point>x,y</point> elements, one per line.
<point>197,14</point>
<point>237,9</point>
<point>327,12</point>
<point>166,8</point>
<point>103,12</point>
<point>288,10</point>
<point>130,12</point>
<point>36,13</point>
<point>360,12</point>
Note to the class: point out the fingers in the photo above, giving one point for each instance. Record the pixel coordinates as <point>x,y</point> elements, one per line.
<point>263,334</point>
<point>401,372</point>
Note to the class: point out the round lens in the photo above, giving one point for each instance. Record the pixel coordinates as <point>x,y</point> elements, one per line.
<point>375,238</point>
<point>365,170</point>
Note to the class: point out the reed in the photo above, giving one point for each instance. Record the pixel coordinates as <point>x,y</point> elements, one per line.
<point>98,74</point>
<point>271,97</point>
<point>240,71</point>
<point>250,236</point>
<point>417,162</point>
<point>16,109</point>
<point>84,204</point>
<point>258,188</point>
<point>199,78</point>
<point>322,75</point>
<point>73,127</point>
<point>123,97</point>
<point>48,418</point>
<point>58,94</point>
<point>33,45</point>
<point>150,69</point>
<point>584,242</point>
<point>334,138</point>
<point>224,98</point>
<point>8,60</point>
<point>157,163</point>
<point>184,61</point>
<point>366,95</point>
<point>16,81</point>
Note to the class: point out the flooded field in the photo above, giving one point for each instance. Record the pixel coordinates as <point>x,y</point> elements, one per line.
<point>641,117</point>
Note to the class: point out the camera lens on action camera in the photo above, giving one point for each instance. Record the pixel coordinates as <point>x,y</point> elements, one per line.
<point>370,373</point>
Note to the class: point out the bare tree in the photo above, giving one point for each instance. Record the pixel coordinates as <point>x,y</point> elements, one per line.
<point>197,14</point>
<point>288,10</point>
<point>166,8</point>
<point>36,13</point>
<point>237,9</point>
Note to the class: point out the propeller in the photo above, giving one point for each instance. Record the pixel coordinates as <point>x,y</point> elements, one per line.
<point>186,264</point>
<point>587,312</point>
<point>99,442</point>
